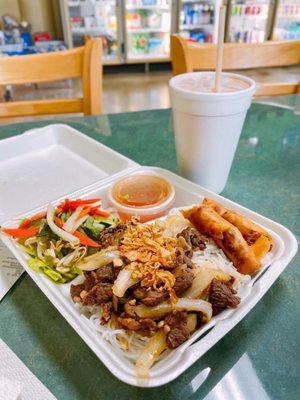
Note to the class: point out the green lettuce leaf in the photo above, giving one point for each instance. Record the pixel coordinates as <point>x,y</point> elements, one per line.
<point>94,226</point>
<point>39,266</point>
<point>48,233</point>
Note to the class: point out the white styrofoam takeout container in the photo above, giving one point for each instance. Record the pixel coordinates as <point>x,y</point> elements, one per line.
<point>177,361</point>
<point>43,164</point>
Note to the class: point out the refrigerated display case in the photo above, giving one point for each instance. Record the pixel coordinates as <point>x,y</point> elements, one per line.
<point>198,20</point>
<point>147,30</point>
<point>248,20</point>
<point>287,20</point>
<point>96,18</point>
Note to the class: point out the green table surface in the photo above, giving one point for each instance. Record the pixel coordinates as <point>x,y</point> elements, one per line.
<point>260,358</point>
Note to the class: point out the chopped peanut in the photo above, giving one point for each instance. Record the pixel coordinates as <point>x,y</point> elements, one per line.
<point>160,324</point>
<point>83,294</point>
<point>117,262</point>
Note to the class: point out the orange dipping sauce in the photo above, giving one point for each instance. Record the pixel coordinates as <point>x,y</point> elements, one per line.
<point>142,195</point>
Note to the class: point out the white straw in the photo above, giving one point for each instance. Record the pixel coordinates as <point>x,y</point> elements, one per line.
<point>220,46</point>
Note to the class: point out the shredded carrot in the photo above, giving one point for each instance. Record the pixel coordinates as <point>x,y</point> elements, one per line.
<point>88,201</point>
<point>85,240</point>
<point>71,205</point>
<point>26,223</point>
<point>20,233</point>
<point>101,213</point>
<point>59,222</point>
<point>85,211</point>
<point>93,211</point>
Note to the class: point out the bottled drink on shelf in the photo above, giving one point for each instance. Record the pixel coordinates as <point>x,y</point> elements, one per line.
<point>248,21</point>
<point>196,22</point>
<point>148,45</point>
<point>97,19</point>
<point>147,3</point>
<point>146,19</point>
<point>195,15</point>
<point>287,25</point>
<point>148,24</point>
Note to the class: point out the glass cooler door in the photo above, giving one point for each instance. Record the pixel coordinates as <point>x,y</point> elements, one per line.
<point>287,20</point>
<point>248,21</point>
<point>147,30</point>
<point>198,20</point>
<point>96,18</point>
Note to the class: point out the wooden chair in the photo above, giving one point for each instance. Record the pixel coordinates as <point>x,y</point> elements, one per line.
<point>82,62</point>
<point>188,57</point>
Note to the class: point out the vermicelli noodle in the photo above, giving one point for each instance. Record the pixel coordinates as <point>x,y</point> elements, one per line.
<point>135,342</point>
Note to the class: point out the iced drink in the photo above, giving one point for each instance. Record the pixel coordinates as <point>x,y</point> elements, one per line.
<point>207,124</point>
<point>205,83</point>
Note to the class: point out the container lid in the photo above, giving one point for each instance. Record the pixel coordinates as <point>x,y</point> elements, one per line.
<point>47,163</point>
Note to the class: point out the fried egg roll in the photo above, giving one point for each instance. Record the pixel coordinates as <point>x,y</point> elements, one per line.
<point>227,237</point>
<point>256,237</point>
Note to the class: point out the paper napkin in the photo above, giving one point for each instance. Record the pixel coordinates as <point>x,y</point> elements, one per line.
<point>16,381</point>
<point>10,270</point>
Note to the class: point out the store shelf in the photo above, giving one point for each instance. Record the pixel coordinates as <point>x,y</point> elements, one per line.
<point>293,17</point>
<point>93,31</point>
<point>250,16</point>
<point>148,30</point>
<point>154,8</point>
<point>133,8</point>
<point>198,1</point>
<point>73,3</point>
<point>144,58</point>
<point>109,60</point>
<point>196,27</point>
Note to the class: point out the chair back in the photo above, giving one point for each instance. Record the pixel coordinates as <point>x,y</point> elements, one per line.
<point>189,57</point>
<point>83,62</point>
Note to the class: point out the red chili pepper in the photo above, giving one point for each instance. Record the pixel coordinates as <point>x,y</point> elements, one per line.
<point>36,217</point>
<point>85,240</point>
<point>20,233</point>
<point>63,207</point>
<point>71,205</point>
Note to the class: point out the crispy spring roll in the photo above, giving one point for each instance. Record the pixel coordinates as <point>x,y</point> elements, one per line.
<point>256,237</point>
<point>262,246</point>
<point>226,236</point>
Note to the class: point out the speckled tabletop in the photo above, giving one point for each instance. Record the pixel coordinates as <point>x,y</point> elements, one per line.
<point>259,358</point>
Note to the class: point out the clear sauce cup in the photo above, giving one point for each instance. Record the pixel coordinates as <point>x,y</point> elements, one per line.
<point>147,196</point>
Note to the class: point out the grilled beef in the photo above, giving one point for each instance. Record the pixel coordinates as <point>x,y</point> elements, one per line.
<point>179,333</point>
<point>193,238</point>
<point>183,281</point>
<point>150,297</point>
<point>222,295</point>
